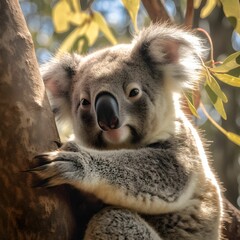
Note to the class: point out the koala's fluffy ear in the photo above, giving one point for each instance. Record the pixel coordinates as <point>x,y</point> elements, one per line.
<point>58,74</point>
<point>173,52</point>
<point>58,77</point>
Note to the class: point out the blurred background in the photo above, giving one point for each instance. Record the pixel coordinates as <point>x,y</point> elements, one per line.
<point>225,154</point>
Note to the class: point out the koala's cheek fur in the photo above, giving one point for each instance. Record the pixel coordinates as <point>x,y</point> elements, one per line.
<point>159,124</point>
<point>84,125</point>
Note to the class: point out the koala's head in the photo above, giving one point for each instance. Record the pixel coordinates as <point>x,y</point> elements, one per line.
<point>122,96</point>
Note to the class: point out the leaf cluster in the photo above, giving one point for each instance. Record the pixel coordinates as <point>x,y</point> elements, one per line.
<point>86,26</point>
<point>227,72</point>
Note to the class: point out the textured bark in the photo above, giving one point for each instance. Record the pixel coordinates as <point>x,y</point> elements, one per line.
<point>27,127</point>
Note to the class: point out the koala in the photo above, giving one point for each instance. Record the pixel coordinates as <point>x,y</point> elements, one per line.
<point>134,148</point>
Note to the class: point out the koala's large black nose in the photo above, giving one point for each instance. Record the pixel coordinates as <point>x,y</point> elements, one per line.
<point>107,111</point>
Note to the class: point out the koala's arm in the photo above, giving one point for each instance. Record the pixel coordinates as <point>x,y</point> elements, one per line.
<point>148,180</point>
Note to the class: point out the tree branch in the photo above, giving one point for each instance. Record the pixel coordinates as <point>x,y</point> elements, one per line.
<point>156,10</point>
<point>189,14</point>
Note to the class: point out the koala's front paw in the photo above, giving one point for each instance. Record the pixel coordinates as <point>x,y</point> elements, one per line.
<point>58,167</point>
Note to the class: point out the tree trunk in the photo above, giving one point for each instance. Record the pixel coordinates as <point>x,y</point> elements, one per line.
<point>27,127</point>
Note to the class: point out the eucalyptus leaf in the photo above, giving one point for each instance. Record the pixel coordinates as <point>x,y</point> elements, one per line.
<point>216,101</point>
<point>211,94</point>
<point>197,3</point>
<point>103,26</point>
<point>228,79</point>
<point>79,18</point>
<point>235,72</point>
<point>92,33</point>
<point>233,137</point>
<point>233,56</point>
<point>133,7</point>
<point>220,108</point>
<point>76,6</point>
<point>231,62</point>
<point>232,12</point>
<point>60,13</point>
<point>208,8</point>
<point>189,99</point>
<point>69,41</point>
<point>81,44</point>
<point>213,84</point>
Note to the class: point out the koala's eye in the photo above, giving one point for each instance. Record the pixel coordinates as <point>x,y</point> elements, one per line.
<point>84,102</point>
<point>134,92</point>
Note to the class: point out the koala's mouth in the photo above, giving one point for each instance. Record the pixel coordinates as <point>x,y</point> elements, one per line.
<point>117,136</point>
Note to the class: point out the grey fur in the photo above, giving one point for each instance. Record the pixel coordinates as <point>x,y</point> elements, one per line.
<point>152,171</point>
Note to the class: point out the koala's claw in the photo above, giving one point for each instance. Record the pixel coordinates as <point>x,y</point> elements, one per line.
<point>36,169</point>
<point>55,168</point>
<point>43,183</point>
<point>42,159</point>
<point>59,144</point>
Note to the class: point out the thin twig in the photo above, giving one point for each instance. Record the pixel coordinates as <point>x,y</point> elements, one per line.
<point>210,43</point>
<point>211,119</point>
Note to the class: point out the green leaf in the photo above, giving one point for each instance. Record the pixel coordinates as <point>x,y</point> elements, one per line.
<point>69,41</point>
<point>231,57</point>
<point>233,137</point>
<point>133,7</point>
<point>99,19</point>
<point>76,5</point>
<point>197,3</point>
<point>60,14</point>
<point>216,101</point>
<point>231,62</point>
<point>213,84</point>
<point>79,18</point>
<point>207,9</point>
<point>228,79</point>
<point>231,10</point>
<point>92,33</point>
<point>220,108</point>
<point>81,44</point>
<point>234,72</point>
<point>189,99</point>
